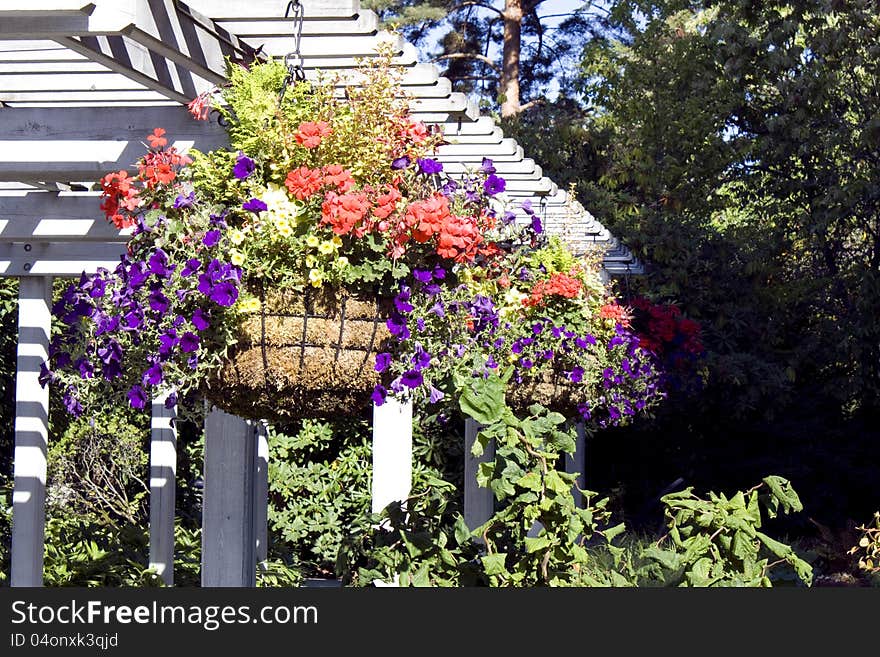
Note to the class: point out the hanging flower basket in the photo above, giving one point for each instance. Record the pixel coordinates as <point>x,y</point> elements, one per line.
<point>310,354</point>
<point>325,261</point>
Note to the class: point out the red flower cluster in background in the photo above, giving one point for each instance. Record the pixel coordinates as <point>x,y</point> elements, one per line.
<point>310,134</point>
<point>662,329</point>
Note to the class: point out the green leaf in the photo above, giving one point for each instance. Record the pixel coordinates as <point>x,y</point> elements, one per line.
<point>493,564</point>
<point>537,543</point>
<point>483,399</point>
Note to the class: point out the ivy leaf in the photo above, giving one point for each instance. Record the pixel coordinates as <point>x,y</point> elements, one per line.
<point>537,543</point>
<point>483,399</point>
<point>493,564</point>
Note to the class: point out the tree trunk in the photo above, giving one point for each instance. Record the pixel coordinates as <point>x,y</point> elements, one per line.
<point>510,53</point>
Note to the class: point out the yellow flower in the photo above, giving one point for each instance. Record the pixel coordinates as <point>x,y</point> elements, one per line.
<point>326,248</point>
<point>311,261</point>
<point>286,231</point>
<point>316,278</point>
<point>281,223</point>
<point>312,241</point>
<point>337,241</point>
<point>249,305</point>
<point>341,262</point>
<point>236,258</point>
<point>236,236</point>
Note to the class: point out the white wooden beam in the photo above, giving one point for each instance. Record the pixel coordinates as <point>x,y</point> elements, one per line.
<point>228,533</point>
<point>58,258</point>
<point>163,484</point>
<point>48,216</point>
<point>31,432</point>
<point>392,453</point>
<point>221,10</point>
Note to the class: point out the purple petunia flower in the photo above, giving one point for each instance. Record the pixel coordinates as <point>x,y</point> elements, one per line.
<point>537,226</point>
<point>158,264</point>
<point>71,403</point>
<point>254,205</point>
<point>577,374</point>
<point>494,185</point>
<point>184,201</point>
<point>400,162</point>
<point>379,395</point>
<point>435,395</point>
<point>421,359</point>
<point>438,309</point>
<point>412,379</point>
<point>153,375</point>
<point>86,369</point>
<point>383,360</point>
<point>191,267</point>
<point>397,325</point>
<point>189,342</point>
<point>487,166</point>
<point>137,397</point>
<point>244,166</point>
<point>137,275</point>
<point>423,275</point>
<point>211,238</point>
<point>224,294</point>
<point>537,328</point>
<point>167,342</point>
<point>200,319</point>
<point>527,206</point>
<point>526,363</point>
<point>429,166</point>
<point>158,301</point>
<point>171,401</point>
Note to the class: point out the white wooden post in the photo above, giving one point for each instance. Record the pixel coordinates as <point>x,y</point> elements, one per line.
<point>479,503</point>
<point>261,493</point>
<point>392,453</point>
<point>31,432</point>
<point>163,483</point>
<point>577,462</point>
<point>228,537</point>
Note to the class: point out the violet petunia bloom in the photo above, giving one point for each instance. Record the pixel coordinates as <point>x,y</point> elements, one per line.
<point>224,294</point>
<point>158,301</point>
<point>429,166</point>
<point>383,360</point>
<point>494,185</point>
<point>191,267</point>
<point>137,397</point>
<point>537,226</point>
<point>158,264</point>
<point>189,342</point>
<point>185,201</point>
<point>487,166</point>
<point>379,395</point>
<point>412,379</point>
<point>153,375</point>
<point>254,205</point>
<point>400,162</point>
<point>200,319</point>
<point>423,275</point>
<point>211,238</point>
<point>244,166</point>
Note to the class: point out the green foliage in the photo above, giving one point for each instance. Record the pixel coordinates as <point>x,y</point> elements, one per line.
<point>319,484</point>
<point>738,149</point>
<point>717,541</point>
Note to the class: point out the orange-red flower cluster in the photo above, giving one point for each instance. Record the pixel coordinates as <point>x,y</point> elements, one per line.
<point>344,212</point>
<point>305,182</point>
<point>118,191</point>
<point>310,133</point>
<point>561,285</point>
<point>158,166</point>
<point>616,312</point>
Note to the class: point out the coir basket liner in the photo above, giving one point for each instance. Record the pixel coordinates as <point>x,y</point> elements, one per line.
<point>304,355</point>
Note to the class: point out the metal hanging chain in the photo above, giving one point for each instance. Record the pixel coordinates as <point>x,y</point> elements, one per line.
<point>294,59</point>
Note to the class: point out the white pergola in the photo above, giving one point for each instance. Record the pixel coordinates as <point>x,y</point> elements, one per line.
<point>81,84</point>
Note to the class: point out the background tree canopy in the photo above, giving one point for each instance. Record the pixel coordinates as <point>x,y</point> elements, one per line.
<point>733,145</point>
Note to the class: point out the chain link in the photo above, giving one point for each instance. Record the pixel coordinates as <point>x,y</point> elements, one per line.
<point>294,59</point>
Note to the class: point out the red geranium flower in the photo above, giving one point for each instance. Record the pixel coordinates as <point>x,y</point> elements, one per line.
<point>304,182</point>
<point>310,134</point>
